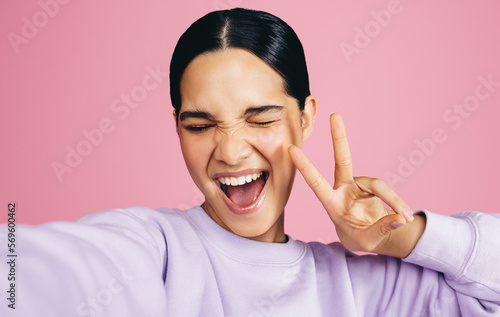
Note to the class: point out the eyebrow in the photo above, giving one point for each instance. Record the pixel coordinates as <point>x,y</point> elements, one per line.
<point>261,109</point>
<point>195,114</point>
<point>249,111</point>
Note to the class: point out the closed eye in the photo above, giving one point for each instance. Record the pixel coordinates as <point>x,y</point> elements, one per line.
<point>203,127</point>
<point>198,127</point>
<point>264,123</point>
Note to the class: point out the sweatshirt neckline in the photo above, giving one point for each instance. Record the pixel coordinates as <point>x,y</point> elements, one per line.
<point>243,249</point>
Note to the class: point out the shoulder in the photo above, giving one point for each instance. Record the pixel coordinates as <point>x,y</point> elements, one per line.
<point>117,215</point>
<point>135,218</point>
<point>151,227</point>
<point>335,254</point>
<point>158,223</point>
<point>334,249</point>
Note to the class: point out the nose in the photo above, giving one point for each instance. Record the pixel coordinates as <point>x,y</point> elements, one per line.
<point>232,148</point>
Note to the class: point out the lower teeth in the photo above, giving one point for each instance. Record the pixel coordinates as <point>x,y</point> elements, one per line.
<point>224,188</point>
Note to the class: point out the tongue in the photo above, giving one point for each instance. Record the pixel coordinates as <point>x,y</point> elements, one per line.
<point>244,195</point>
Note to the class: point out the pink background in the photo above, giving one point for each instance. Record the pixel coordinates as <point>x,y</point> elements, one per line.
<point>394,91</point>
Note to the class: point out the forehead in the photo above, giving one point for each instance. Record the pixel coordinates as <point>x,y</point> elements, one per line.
<point>232,77</point>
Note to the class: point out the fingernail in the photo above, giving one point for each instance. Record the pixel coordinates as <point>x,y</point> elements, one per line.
<point>396,224</point>
<point>407,213</point>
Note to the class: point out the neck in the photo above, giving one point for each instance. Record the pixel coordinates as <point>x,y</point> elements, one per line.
<point>275,234</point>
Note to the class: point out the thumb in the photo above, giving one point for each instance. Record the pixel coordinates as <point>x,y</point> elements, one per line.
<point>383,227</point>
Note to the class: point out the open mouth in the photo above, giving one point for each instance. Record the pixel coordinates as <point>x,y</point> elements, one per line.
<point>244,193</point>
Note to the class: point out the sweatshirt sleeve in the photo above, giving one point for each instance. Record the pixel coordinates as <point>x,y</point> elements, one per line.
<point>465,249</point>
<point>453,271</point>
<point>107,264</point>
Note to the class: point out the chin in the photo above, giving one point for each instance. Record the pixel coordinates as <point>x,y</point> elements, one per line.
<point>265,219</point>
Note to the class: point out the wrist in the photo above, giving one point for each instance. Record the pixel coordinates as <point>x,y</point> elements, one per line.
<point>403,240</point>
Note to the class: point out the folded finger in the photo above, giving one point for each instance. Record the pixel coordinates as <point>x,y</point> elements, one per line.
<point>380,189</point>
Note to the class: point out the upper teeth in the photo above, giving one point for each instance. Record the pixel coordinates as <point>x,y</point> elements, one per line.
<point>235,181</point>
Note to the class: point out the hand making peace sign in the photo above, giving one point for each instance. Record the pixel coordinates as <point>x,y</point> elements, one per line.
<point>354,204</point>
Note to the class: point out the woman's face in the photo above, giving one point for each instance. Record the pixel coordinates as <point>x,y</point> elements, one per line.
<point>235,125</point>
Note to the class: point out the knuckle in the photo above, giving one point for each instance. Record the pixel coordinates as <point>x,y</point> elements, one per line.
<point>304,166</point>
<point>316,182</point>
<point>377,182</point>
<point>340,138</point>
<point>344,162</point>
<point>384,231</point>
<point>360,179</point>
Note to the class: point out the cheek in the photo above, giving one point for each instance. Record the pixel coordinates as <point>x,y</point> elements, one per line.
<point>273,144</point>
<point>288,132</point>
<point>195,152</point>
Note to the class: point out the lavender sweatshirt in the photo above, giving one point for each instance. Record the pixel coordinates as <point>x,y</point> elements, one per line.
<point>144,262</point>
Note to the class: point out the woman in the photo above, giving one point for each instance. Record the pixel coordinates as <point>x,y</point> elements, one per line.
<point>240,90</point>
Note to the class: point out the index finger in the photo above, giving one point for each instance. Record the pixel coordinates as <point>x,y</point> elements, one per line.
<point>312,176</point>
<point>341,152</point>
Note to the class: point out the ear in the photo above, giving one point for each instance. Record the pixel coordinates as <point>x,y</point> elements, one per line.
<point>307,116</point>
<point>174,114</point>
